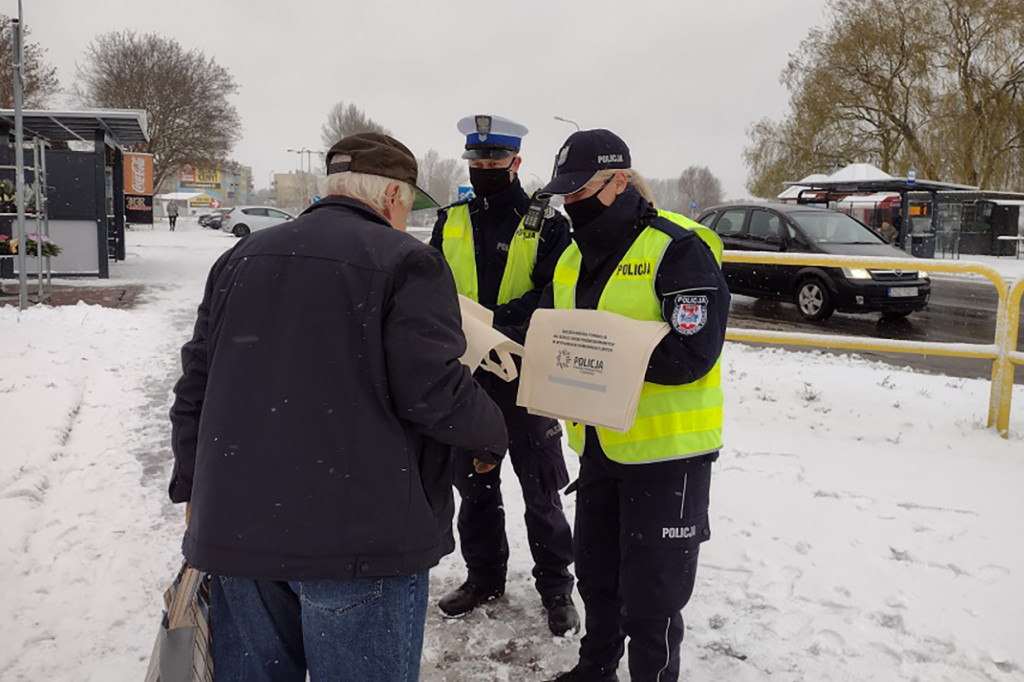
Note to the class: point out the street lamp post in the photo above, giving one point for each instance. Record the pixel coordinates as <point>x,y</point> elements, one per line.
<point>300,152</point>
<point>308,173</point>
<point>566,120</point>
<point>309,157</point>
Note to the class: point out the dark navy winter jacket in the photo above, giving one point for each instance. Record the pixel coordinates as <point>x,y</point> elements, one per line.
<point>320,397</point>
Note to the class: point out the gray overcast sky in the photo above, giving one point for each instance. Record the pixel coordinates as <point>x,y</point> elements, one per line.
<point>679,80</point>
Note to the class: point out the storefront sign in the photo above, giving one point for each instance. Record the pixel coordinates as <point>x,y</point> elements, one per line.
<point>205,201</point>
<point>199,178</point>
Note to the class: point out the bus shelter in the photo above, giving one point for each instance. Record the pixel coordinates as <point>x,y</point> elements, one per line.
<point>916,230</point>
<point>83,183</point>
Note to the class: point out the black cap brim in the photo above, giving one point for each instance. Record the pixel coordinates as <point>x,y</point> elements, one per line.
<point>423,200</point>
<point>567,183</point>
<point>489,153</point>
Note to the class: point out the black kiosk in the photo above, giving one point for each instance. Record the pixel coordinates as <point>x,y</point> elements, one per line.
<point>83,205</point>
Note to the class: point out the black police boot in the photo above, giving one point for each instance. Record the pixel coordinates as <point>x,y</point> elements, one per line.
<point>467,597</point>
<point>585,673</point>
<point>562,615</point>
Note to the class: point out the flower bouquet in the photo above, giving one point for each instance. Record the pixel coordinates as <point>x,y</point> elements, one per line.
<point>33,245</point>
<point>7,203</point>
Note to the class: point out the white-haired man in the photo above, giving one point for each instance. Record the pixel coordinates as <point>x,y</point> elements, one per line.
<point>313,423</point>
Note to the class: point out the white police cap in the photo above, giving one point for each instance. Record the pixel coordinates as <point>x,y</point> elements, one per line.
<point>491,137</point>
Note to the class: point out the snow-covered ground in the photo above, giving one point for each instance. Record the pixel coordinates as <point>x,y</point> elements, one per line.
<point>866,525</point>
<point>1010,268</point>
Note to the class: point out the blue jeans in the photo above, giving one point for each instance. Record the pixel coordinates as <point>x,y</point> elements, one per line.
<point>368,630</point>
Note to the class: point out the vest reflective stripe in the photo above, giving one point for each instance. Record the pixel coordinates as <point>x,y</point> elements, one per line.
<point>672,422</point>
<point>457,245</point>
<point>707,235</point>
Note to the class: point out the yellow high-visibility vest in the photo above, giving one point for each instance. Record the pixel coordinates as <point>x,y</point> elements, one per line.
<point>707,235</point>
<point>672,422</point>
<point>457,245</point>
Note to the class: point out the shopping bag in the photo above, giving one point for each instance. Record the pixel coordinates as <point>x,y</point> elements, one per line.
<point>182,649</point>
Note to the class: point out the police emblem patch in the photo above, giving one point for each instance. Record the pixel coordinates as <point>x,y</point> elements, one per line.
<point>562,155</point>
<point>690,314</point>
<point>483,127</point>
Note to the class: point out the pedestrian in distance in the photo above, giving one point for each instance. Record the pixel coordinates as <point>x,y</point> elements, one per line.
<point>313,427</point>
<point>888,232</point>
<point>172,214</point>
<point>502,249</point>
<point>642,495</point>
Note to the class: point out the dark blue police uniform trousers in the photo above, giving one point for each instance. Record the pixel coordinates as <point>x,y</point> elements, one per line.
<point>535,448</point>
<point>637,541</point>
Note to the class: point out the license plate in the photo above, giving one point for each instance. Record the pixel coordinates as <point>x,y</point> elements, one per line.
<point>902,292</point>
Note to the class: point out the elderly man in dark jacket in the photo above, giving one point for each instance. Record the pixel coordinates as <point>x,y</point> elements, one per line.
<point>313,428</point>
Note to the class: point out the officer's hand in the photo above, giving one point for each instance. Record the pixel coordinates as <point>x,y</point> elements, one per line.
<point>188,513</point>
<point>482,467</point>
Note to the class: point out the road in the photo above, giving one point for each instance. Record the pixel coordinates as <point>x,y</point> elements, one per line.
<point>961,310</point>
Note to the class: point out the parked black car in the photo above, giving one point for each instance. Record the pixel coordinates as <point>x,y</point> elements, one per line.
<point>817,291</point>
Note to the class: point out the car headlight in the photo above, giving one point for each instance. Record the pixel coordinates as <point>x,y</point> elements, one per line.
<point>921,274</point>
<point>856,273</point>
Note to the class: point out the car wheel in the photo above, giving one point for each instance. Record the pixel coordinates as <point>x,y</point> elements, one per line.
<point>892,315</point>
<point>240,230</point>
<point>813,300</point>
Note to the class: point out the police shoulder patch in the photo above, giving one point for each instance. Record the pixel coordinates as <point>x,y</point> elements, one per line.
<point>689,314</point>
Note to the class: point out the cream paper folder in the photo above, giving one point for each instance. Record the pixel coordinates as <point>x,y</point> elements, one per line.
<point>587,366</point>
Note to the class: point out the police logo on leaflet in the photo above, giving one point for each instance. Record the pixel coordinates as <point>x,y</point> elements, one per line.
<point>690,314</point>
<point>563,359</point>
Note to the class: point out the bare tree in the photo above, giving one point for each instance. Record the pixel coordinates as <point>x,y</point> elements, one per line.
<point>934,85</point>
<point>440,177</point>
<point>666,194</point>
<point>344,120</point>
<point>698,184</point>
<point>184,92</point>
<point>262,196</point>
<point>40,81</point>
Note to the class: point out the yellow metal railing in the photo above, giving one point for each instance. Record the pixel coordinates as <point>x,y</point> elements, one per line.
<point>1002,351</point>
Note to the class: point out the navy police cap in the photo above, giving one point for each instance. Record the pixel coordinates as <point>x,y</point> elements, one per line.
<point>586,152</point>
<point>491,137</point>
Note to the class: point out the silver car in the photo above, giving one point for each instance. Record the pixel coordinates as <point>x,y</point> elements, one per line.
<point>241,220</point>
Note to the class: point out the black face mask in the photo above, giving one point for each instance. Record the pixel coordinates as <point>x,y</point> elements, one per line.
<point>612,224</point>
<point>490,181</point>
<point>586,210</point>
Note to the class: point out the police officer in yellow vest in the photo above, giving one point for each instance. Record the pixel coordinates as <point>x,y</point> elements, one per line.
<point>502,249</point>
<point>642,505</point>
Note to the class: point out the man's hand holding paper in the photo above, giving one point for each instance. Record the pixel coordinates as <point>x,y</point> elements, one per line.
<point>486,347</point>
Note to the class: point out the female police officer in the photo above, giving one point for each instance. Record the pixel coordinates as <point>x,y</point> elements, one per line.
<point>642,504</point>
